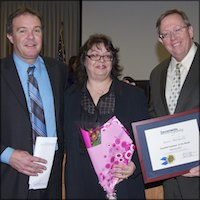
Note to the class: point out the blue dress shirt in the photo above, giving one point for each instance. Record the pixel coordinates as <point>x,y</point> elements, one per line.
<point>46,93</point>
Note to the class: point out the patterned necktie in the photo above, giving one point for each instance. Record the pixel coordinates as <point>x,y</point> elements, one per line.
<point>175,90</point>
<point>37,112</point>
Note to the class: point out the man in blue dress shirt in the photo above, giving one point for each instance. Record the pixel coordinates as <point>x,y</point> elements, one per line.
<point>24,31</point>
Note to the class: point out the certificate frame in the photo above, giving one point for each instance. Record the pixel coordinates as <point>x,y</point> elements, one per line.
<point>139,129</point>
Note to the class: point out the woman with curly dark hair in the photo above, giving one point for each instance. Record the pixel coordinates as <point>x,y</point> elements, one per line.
<point>97,97</point>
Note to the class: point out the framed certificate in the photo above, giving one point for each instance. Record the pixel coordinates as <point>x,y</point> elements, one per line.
<point>167,146</point>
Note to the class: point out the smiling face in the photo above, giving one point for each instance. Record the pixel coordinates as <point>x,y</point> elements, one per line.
<point>26,37</point>
<point>98,69</point>
<point>179,41</point>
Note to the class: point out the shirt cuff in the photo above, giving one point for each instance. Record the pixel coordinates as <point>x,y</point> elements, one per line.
<point>6,154</point>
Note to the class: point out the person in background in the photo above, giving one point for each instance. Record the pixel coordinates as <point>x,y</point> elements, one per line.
<point>128,79</point>
<point>72,69</point>
<point>17,163</point>
<point>97,97</point>
<point>143,84</point>
<point>176,35</point>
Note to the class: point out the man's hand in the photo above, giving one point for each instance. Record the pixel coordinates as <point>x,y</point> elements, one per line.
<point>193,172</point>
<point>27,164</point>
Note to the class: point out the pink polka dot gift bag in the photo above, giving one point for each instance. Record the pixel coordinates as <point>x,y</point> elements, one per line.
<point>108,145</point>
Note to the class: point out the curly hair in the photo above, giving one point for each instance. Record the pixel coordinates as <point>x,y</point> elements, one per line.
<point>97,39</point>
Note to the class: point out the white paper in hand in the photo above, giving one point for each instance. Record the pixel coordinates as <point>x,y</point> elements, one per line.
<point>44,148</point>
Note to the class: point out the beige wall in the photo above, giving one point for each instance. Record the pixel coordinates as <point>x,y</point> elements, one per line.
<point>131,24</point>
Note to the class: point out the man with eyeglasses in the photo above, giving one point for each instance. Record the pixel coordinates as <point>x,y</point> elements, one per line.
<point>176,35</point>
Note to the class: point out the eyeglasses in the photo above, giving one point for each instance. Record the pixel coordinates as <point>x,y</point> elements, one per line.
<point>176,31</point>
<point>96,57</point>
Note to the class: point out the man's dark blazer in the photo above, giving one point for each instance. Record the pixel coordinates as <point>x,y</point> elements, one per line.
<point>16,125</point>
<point>188,99</point>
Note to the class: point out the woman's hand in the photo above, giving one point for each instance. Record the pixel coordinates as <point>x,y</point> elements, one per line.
<point>123,171</point>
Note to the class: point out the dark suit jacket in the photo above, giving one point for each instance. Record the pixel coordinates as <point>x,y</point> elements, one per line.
<point>16,125</point>
<point>130,106</point>
<point>187,188</point>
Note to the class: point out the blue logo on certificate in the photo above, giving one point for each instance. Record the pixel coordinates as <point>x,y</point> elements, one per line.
<point>168,160</point>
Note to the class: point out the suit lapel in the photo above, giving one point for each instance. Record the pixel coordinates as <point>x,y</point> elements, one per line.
<point>11,77</point>
<point>163,84</point>
<point>189,83</point>
<point>51,72</point>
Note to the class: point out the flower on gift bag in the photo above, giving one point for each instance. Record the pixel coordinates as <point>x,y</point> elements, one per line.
<point>112,144</point>
<point>95,136</point>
